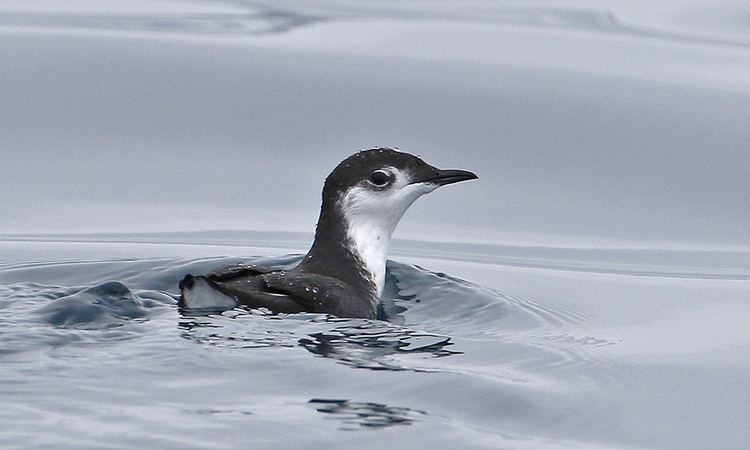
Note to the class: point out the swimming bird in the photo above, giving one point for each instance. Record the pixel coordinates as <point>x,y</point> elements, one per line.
<point>343,273</point>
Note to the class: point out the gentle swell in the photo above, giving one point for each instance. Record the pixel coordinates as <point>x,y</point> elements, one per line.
<point>427,314</point>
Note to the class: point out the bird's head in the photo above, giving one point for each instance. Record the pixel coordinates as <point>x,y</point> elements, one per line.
<point>371,190</point>
<point>378,185</point>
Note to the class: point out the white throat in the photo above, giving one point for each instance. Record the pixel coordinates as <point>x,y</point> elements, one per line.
<point>371,240</point>
<point>371,218</point>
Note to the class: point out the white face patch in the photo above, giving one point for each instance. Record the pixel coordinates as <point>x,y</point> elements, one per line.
<point>371,216</point>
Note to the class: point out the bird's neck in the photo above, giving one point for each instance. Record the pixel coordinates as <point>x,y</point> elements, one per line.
<point>349,253</point>
<point>369,239</point>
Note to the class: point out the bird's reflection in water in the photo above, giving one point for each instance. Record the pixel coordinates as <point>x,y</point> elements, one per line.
<point>358,415</point>
<point>360,343</point>
<point>377,346</point>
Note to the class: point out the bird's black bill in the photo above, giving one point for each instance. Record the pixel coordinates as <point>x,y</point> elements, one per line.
<point>449,176</point>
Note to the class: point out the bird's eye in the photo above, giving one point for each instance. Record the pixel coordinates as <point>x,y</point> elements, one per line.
<point>380,178</point>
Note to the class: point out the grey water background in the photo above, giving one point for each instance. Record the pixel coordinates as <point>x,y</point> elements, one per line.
<point>590,290</point>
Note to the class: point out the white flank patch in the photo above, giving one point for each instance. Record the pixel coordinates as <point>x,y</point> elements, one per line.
<point>203,295</point>
<point>371,216</point>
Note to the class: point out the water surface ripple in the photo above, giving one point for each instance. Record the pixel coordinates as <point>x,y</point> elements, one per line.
<point>464,361</point>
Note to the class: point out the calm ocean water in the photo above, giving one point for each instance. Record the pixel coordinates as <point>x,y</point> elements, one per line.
<point>591,290</point>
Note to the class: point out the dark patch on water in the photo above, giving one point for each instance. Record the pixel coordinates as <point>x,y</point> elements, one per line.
<point>358,415</point>
<point>213,412</point>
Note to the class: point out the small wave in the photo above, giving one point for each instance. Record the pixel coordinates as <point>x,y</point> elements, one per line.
<point>35,316</point>
<point>103,306</point>
<point>440,302</point>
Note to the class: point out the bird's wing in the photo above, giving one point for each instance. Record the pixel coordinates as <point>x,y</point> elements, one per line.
<point>228,273</point>
<point>316,292</point>
<point>321,293</point>
<point>281,291</point>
